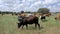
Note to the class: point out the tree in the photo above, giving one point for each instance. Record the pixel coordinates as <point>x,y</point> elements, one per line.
<point>43,10</point>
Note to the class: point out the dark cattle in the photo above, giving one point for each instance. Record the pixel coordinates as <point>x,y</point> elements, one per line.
<point>43,18</point>
<point>29,20</point>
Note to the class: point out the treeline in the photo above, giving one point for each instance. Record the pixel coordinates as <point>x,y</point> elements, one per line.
<point>12,13</point>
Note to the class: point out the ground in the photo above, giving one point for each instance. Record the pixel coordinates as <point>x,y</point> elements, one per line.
<point>8,25</point>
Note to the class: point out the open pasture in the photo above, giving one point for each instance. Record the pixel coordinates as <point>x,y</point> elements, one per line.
<point>8,25</point>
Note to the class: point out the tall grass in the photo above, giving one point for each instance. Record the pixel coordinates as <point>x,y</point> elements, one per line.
<point>8,25</point>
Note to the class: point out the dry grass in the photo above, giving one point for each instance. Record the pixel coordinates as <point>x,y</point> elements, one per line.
<point>8,25</point>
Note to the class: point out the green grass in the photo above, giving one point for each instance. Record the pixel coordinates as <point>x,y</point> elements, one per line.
<point>8,25</point>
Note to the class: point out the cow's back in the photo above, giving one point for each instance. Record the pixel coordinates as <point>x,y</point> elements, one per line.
<point>30,20</point>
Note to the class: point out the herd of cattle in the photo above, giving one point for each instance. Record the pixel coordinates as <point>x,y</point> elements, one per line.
<point>34,20</point>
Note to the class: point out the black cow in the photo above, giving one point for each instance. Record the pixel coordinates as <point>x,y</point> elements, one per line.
<point>29,20</point>
<point>43,18</point>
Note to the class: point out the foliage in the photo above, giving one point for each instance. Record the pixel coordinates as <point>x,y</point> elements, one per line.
<point>43,10</point>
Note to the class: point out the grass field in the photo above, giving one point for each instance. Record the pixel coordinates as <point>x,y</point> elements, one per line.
<point>8,25</point>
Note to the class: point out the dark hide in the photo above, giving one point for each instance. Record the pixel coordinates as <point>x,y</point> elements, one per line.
<point>43,18</point>
<point>29,20</point>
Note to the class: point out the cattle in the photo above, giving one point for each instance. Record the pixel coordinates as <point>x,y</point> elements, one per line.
<point>29,20</point>
<point>42,17</point>
<point>57,17</point>
<point>48,14</point>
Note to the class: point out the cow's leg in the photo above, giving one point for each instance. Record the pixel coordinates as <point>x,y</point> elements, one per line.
<point>35,25</point>
<point>38,25</point>
<point>19,25</point>
<point>22,26</point>
<point>26,26</point>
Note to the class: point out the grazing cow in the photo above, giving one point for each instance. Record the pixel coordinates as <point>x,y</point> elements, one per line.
<point>57,17</point>
<point>29,20</point>
<point>48,14</point>
<point>42,17</point>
